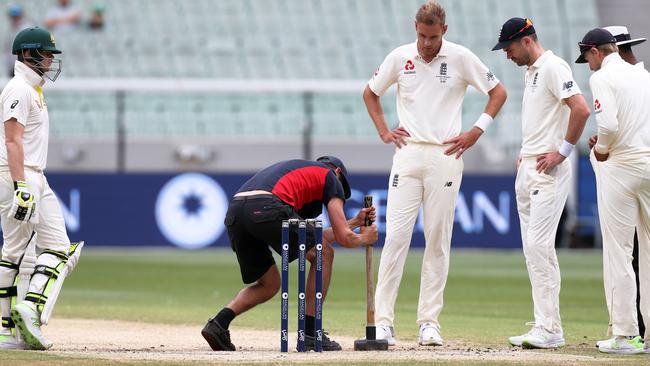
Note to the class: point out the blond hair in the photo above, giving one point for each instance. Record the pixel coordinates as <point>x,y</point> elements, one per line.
<point>431,13</point>
<point>608,48</point>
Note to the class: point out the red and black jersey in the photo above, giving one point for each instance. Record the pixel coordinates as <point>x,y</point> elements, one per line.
<point>303,184</point>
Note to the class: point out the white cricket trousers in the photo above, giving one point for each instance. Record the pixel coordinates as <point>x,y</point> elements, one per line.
<point>623,192</point>
<point>50,227</point>
<point>422,175</point>
<point>540,200</point>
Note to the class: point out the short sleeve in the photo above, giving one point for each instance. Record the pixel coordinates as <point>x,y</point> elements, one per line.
<point>561,82</point>
<point>477,74</point>
<point>605,111</point>
<point>16,104</point>
<point>385,76</point>
<point>333,188</point>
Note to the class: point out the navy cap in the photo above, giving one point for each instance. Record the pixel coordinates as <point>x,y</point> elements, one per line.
<point>333,160</point>
<point>594,38</point>
<point>514,29</point>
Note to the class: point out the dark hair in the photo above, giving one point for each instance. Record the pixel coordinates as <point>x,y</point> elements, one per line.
<point>625,47</point>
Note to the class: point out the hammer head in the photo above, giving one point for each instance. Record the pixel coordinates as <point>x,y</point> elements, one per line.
<point>371,345</point>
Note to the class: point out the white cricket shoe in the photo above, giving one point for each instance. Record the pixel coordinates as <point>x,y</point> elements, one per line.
<point>386,332</point>
<point>538,337</point>
<point>28,321</point>
<point>8,341</point>
<point>430,335</point>
<point>621,344</point>
<point>517,341</point>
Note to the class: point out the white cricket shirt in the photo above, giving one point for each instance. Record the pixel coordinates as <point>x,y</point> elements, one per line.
<point>21,100</point>
<point>622,108</point>
<point>544,114</point>
<point>430,95</point>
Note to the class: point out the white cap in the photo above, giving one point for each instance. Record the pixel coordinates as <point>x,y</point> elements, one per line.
<point>623,36</point>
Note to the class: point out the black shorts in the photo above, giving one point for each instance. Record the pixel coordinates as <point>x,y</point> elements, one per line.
<point>254,223</point>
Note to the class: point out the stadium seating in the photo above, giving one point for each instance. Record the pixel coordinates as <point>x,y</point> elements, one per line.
<point>278,39</point>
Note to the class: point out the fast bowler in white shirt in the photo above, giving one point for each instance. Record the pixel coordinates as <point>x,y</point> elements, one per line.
<point>554,114</point>
<point>432,76</point>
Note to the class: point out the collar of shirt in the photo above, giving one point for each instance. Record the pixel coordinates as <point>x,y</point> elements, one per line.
<point>541,59</point>
<point>640,64</point>
<point>444,51</point>
<point>29,75</point>
<point>611,58</point>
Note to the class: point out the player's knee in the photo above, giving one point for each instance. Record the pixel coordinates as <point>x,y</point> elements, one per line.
<point>270,282</point>
<point>274,288</point>
<point>270,288</point>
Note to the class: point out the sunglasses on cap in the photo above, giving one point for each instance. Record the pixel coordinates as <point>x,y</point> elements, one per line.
<point>529,23</point>
<point>584,47</point>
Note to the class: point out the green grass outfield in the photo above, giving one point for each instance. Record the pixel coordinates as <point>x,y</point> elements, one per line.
<point>487,297</point>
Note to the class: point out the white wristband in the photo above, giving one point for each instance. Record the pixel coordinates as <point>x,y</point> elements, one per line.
<point>566,148</point>
<point>484,121</point>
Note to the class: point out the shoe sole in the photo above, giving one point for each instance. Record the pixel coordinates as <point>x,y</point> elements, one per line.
<point>391,341</point>
<point>528,345</point>
<point>623,352</point>
<point>432,343</point>
<point>324,349</point>
<point>310,347</point>
<point>31,341</point>
<point>214,342</point>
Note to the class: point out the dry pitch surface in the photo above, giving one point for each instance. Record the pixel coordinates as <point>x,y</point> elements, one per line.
<point>132,341</point>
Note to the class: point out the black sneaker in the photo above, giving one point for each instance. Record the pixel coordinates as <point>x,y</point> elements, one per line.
<point>218,338</point>
<point>328,344</point>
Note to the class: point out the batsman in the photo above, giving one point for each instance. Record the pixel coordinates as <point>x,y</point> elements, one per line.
<point>36,254</point>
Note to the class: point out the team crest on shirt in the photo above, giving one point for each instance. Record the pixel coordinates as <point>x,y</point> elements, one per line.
<point>597,106</point>
<point>533,85</point>
<point>409,68</point>
<point>443,77</point>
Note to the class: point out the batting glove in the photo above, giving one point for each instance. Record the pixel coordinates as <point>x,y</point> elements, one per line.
<point>23,207</point>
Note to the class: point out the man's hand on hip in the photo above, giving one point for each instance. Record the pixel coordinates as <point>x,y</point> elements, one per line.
<point>600,157</point>
<point>462,142</point>
<point>23,207</point>
<point>397,136</point>
<point>546,162</point>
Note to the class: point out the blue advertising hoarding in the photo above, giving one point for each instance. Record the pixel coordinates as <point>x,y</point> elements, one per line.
<point>187,210</point>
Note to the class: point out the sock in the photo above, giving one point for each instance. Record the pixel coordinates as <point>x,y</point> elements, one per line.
<point>224,317</point>
<point>310,322</point>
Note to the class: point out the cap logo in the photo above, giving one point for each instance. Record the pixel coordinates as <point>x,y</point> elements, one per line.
<point>529,23</point>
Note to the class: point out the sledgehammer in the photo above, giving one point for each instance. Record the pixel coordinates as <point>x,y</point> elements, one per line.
<point>370,343</point>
